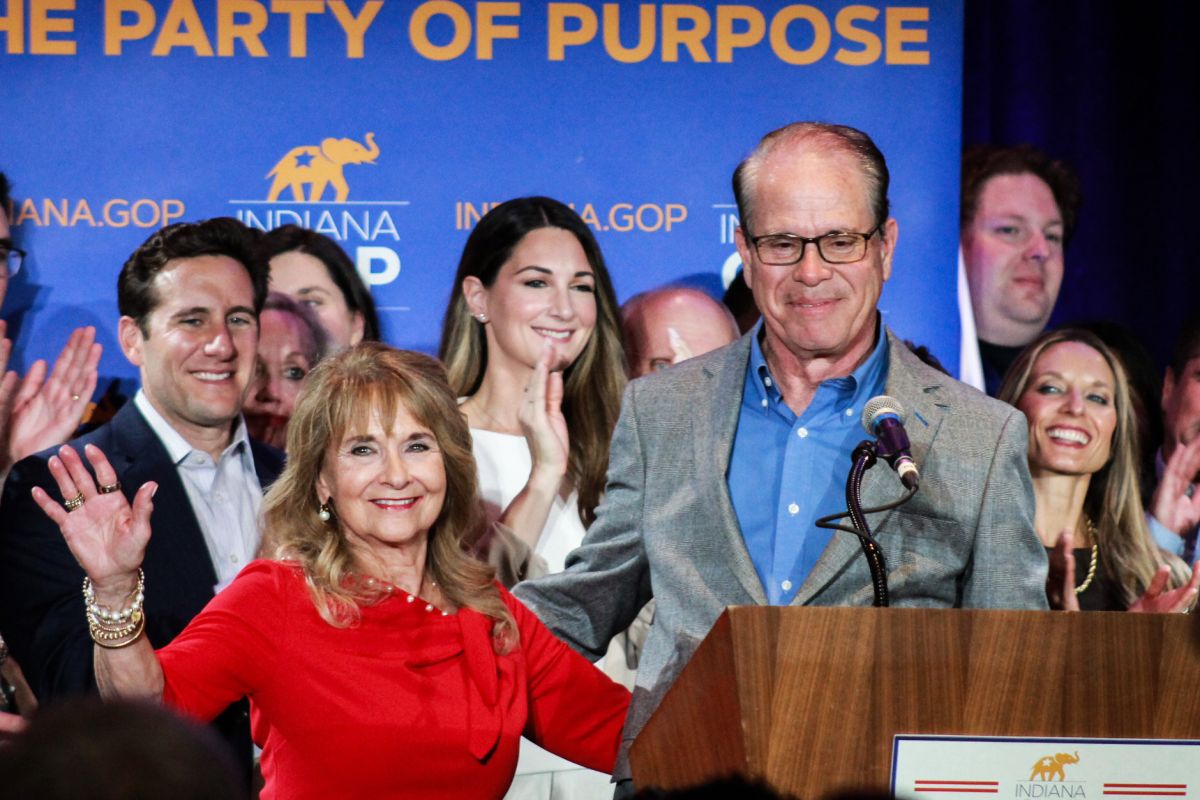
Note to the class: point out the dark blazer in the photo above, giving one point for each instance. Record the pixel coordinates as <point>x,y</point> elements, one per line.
<point>41,602</point>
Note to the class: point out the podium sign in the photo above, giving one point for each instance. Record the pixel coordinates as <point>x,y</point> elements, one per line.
<point>982,768</point>
<point>810,699</point>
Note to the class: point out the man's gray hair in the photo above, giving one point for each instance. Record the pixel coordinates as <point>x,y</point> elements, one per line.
<point>837,137</point>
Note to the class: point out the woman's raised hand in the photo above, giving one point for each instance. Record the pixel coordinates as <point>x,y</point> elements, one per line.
<point>542,420</point>
<point>105,534</point>
<point>1060,582</point>
<point>1157,599</point>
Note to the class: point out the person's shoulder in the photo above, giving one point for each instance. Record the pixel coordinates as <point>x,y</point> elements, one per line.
<point>268,461</point>
<point>268,577</point>
<point>956,397</point>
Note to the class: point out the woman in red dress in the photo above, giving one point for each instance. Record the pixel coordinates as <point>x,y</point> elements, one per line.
<point>378,658</point>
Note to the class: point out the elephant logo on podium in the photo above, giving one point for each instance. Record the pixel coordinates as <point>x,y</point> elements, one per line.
<point>320,166</point>
<point>1050,768</point>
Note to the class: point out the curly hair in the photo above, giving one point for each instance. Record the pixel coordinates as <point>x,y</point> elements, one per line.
<point>341,394</point>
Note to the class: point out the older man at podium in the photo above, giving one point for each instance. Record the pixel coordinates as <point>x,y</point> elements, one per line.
<point>721,465</point>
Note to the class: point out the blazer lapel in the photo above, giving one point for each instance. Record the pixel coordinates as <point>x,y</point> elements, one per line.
<point>910,385</point>
<point>716,425</point>
<point>176,543</point>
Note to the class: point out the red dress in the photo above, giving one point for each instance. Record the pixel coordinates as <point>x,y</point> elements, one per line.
<point>407,703</point>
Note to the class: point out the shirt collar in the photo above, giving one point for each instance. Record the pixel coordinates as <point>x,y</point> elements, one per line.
<point>853,390</point>
<point>177,447</point>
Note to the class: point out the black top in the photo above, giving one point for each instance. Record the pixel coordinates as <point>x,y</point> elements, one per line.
<point>1103,594</point>
<point>996,359</point>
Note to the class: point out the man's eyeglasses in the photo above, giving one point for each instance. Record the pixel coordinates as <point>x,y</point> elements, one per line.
<point>14,257</point>
<point>783,249</point>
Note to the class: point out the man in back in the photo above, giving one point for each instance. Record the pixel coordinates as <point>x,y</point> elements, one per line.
<point>670,324</point>
<point>1018,210</point>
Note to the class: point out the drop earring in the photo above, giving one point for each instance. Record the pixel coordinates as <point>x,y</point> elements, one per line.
<point>324,513</point>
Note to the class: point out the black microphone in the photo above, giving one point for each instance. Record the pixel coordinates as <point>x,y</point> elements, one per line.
<point>883,417</point>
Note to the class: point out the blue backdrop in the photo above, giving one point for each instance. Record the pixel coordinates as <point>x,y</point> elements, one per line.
<point>125,114</point>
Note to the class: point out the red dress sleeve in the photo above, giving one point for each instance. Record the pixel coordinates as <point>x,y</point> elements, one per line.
<point>230,648</point>
<point>575,710</point>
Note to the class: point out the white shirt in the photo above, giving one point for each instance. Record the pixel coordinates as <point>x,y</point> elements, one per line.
<point>225,495</point>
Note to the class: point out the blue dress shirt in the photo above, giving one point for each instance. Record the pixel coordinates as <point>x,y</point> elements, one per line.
<point>786,472</point>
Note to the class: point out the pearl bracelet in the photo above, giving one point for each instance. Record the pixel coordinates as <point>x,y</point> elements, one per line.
<point>114,629</point>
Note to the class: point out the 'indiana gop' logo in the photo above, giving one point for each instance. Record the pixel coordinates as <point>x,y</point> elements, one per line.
<point>319,166</point>
<point>310,187</point>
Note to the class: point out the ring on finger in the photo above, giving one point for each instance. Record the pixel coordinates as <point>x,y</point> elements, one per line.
<point>109,488</point>
<point>75,502</point>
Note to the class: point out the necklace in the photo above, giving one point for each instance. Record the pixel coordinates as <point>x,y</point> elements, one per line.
<point>1091,573</point>
<point>389,588</point>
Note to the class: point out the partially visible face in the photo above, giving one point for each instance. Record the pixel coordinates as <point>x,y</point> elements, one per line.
<point>386,483</point>
<point>1070,404</point>
<point>1013,251</point>
<point>5,244</point>
<point>303,278</point>
<point>1181,406</point>
<point>545,291</point>
<point>284,343</point>
<point>812,308</point>
<point>699,324</point>
<point>197,360</point>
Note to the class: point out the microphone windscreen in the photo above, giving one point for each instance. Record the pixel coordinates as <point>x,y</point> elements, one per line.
<point>878,406</point>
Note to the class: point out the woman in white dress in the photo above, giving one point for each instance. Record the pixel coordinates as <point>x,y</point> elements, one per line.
<point>531,341</point>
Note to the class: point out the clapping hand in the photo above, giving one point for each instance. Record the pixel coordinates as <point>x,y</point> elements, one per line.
<point>43,409</point>
<point>1157,599</point>
<point>11,723</point>
<point>1173,504</point>
<point>1060,582</point>
<point>543,423</point>
<point>106,535</point>
<point>680,350</point>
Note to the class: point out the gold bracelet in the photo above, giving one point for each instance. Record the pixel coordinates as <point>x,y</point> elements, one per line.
<point>116,639</point>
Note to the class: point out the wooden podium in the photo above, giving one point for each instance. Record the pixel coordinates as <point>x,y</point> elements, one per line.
<point>808,699</point>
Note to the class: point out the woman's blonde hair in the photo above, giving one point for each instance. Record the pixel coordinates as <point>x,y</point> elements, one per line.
<point>592,386</point>
<point>340,396</point>
<point>1113,502</point>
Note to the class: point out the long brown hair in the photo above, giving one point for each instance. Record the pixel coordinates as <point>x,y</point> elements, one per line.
<point>592,385</point>
<point>1113,501</point>
<point>340,395</point>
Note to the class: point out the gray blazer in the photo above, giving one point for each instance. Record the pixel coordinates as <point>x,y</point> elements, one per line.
<point>667,528</point>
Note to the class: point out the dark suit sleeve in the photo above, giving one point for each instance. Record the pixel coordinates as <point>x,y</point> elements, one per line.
<point>1008,563</point>
<point>607,580</point>
<point>41,600</point>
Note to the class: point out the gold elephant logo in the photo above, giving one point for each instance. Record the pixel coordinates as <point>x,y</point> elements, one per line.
<point>320,166</point>
<point>1050,768</point>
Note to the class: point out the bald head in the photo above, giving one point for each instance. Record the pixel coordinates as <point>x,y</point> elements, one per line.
<point>664,326</point>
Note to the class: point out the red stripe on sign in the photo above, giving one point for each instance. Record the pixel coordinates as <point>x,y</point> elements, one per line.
<point>1147,794</point>
<point>968,783</point>
<point>1145,786</point>
<point>953,789</point>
